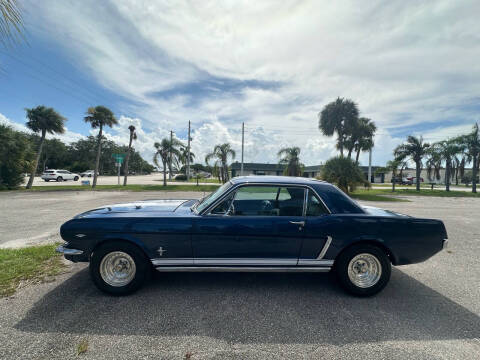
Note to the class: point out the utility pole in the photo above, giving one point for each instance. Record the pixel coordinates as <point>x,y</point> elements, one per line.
<point>170,160</point>
<point>243,138</point>
<point>188,153</point>
<point>370,166</point>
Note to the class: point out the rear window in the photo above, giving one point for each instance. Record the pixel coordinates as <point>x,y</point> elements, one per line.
<point>49,171</point>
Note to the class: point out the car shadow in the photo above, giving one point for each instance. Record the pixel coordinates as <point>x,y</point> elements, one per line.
<point>254,308</point>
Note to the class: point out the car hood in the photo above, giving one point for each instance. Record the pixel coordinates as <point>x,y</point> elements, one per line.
<point>140,208</point>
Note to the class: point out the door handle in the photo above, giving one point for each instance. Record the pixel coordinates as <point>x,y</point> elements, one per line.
<point>301,223</point>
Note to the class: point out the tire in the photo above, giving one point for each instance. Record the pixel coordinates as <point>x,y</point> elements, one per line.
<point>59,179</point>
<point>135,273</point>
<point>75,178</point>
<point>46,180</point>
<point>352,269</point>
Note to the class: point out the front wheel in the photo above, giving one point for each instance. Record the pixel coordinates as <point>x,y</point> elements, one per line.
<point>75,178</point>
<point>119,268</point>
<point>363,270</point>
<point>59,179</point>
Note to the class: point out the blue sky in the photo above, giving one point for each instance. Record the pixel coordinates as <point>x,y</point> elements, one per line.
<point>411,66</point>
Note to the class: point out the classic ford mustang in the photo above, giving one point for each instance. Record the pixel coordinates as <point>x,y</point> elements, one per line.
<point>252,223</point>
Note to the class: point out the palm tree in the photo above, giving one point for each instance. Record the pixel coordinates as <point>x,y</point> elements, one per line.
<point>11,23</point>
<point>221,153</point>
<point>393,166</point>
<point>184,154</point>
<point>98,117</point>
<point>364,136</point>
<point>163,151</point>
<point>434,164</point>
<point>44,120</point>
<point>340,117</point>
<point>414,149</point>
<point>133,136</point>
<point>472,146</point>
<point>290,157</point>
<point>447,149</point>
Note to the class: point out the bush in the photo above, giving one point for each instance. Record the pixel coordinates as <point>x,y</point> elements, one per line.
<point>344,173</point>
<point>15,157</point>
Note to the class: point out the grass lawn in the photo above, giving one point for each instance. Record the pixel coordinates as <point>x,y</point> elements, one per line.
<point>205,188</point>
<point>33,264</point>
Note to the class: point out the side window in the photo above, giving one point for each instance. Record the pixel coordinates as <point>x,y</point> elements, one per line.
<point>268,201</point>
<point>224,207</point>
<point>314,206</point>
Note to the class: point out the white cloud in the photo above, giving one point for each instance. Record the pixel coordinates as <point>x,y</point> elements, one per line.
<point>67,137</point>
<point>408,64</point>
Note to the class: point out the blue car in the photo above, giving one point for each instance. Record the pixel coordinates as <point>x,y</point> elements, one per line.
<point>252,223</point>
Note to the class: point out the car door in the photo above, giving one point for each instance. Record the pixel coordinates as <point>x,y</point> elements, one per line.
<point>255,225</point>
<point>318,232</point>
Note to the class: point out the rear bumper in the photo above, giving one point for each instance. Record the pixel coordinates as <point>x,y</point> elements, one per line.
<point>445,244</point>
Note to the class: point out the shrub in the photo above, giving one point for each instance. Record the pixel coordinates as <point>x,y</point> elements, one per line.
<point>344,173</point>
<point>15,157</point>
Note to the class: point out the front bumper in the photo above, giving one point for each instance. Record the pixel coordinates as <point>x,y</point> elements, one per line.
<point>66,251</point>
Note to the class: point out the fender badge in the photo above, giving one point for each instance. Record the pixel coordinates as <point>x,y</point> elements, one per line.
<point>161,251</point>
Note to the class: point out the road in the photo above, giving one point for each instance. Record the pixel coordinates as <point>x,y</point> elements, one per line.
<point>428,311</point>
<point>152,179</point>
<point>35,217</point>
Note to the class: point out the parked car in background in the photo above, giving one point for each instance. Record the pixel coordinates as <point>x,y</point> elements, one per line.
<point>59,175</point>
<point>88,173</point>
<point>402,181</point>
<point>251,223</point>
<point>413,179</point>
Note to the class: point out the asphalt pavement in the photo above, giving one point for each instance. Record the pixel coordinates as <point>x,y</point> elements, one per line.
<point>428,311</point>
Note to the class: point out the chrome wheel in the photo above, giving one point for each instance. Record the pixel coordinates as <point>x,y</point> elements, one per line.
<point>364,270</point>
<point>117,268</point>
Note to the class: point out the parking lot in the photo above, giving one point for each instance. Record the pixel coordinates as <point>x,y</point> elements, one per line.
<point>428,311</point>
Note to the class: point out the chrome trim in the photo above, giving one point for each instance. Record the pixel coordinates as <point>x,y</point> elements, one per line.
<point>445,244</point>
<point>233,261</point>
<point>314,262</point>
<point>305,202</point>
<point>67,251</point>
<point>301,223</point>
<point>325,248</point>
<point>80,235</point>
<point>241,269</point>
<point>236,186</point>
<point>172,261</point>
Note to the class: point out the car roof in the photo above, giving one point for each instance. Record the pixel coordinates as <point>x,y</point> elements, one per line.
<point>277,180</point>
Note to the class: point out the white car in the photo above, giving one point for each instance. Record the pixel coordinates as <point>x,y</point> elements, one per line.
<point>59,175</point>
<point>88,173</point>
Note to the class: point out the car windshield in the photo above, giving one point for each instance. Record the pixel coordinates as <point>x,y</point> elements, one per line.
<point>207,201</point>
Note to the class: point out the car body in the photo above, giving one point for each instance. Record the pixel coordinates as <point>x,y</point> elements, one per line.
<point>402,181</point>
<point>413,179</point>
<point>252,223</point>
<point>59,175</point>
<point>88,173</point>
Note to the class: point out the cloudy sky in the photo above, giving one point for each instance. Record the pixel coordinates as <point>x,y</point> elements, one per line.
<point>413,67</point>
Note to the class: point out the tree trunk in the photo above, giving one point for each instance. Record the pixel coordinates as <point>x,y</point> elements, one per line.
<point>350,153</point>
<point>447,175</point>
<point>164,173</point>
<point>358,155</point>
<point>127,159</point>
<point>34,168</point>
<point>418,169</point>
<point>474,174</point>
<point>394,179</point>
<point>97,161</point>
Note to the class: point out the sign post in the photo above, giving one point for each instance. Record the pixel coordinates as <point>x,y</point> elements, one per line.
<point>118,160</point>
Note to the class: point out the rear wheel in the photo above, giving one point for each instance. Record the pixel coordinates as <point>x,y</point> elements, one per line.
<point>119,268</point>
<point>46,180</point>
<point>363,270</point>
<point>75,178</point>
<point>59,179</point>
